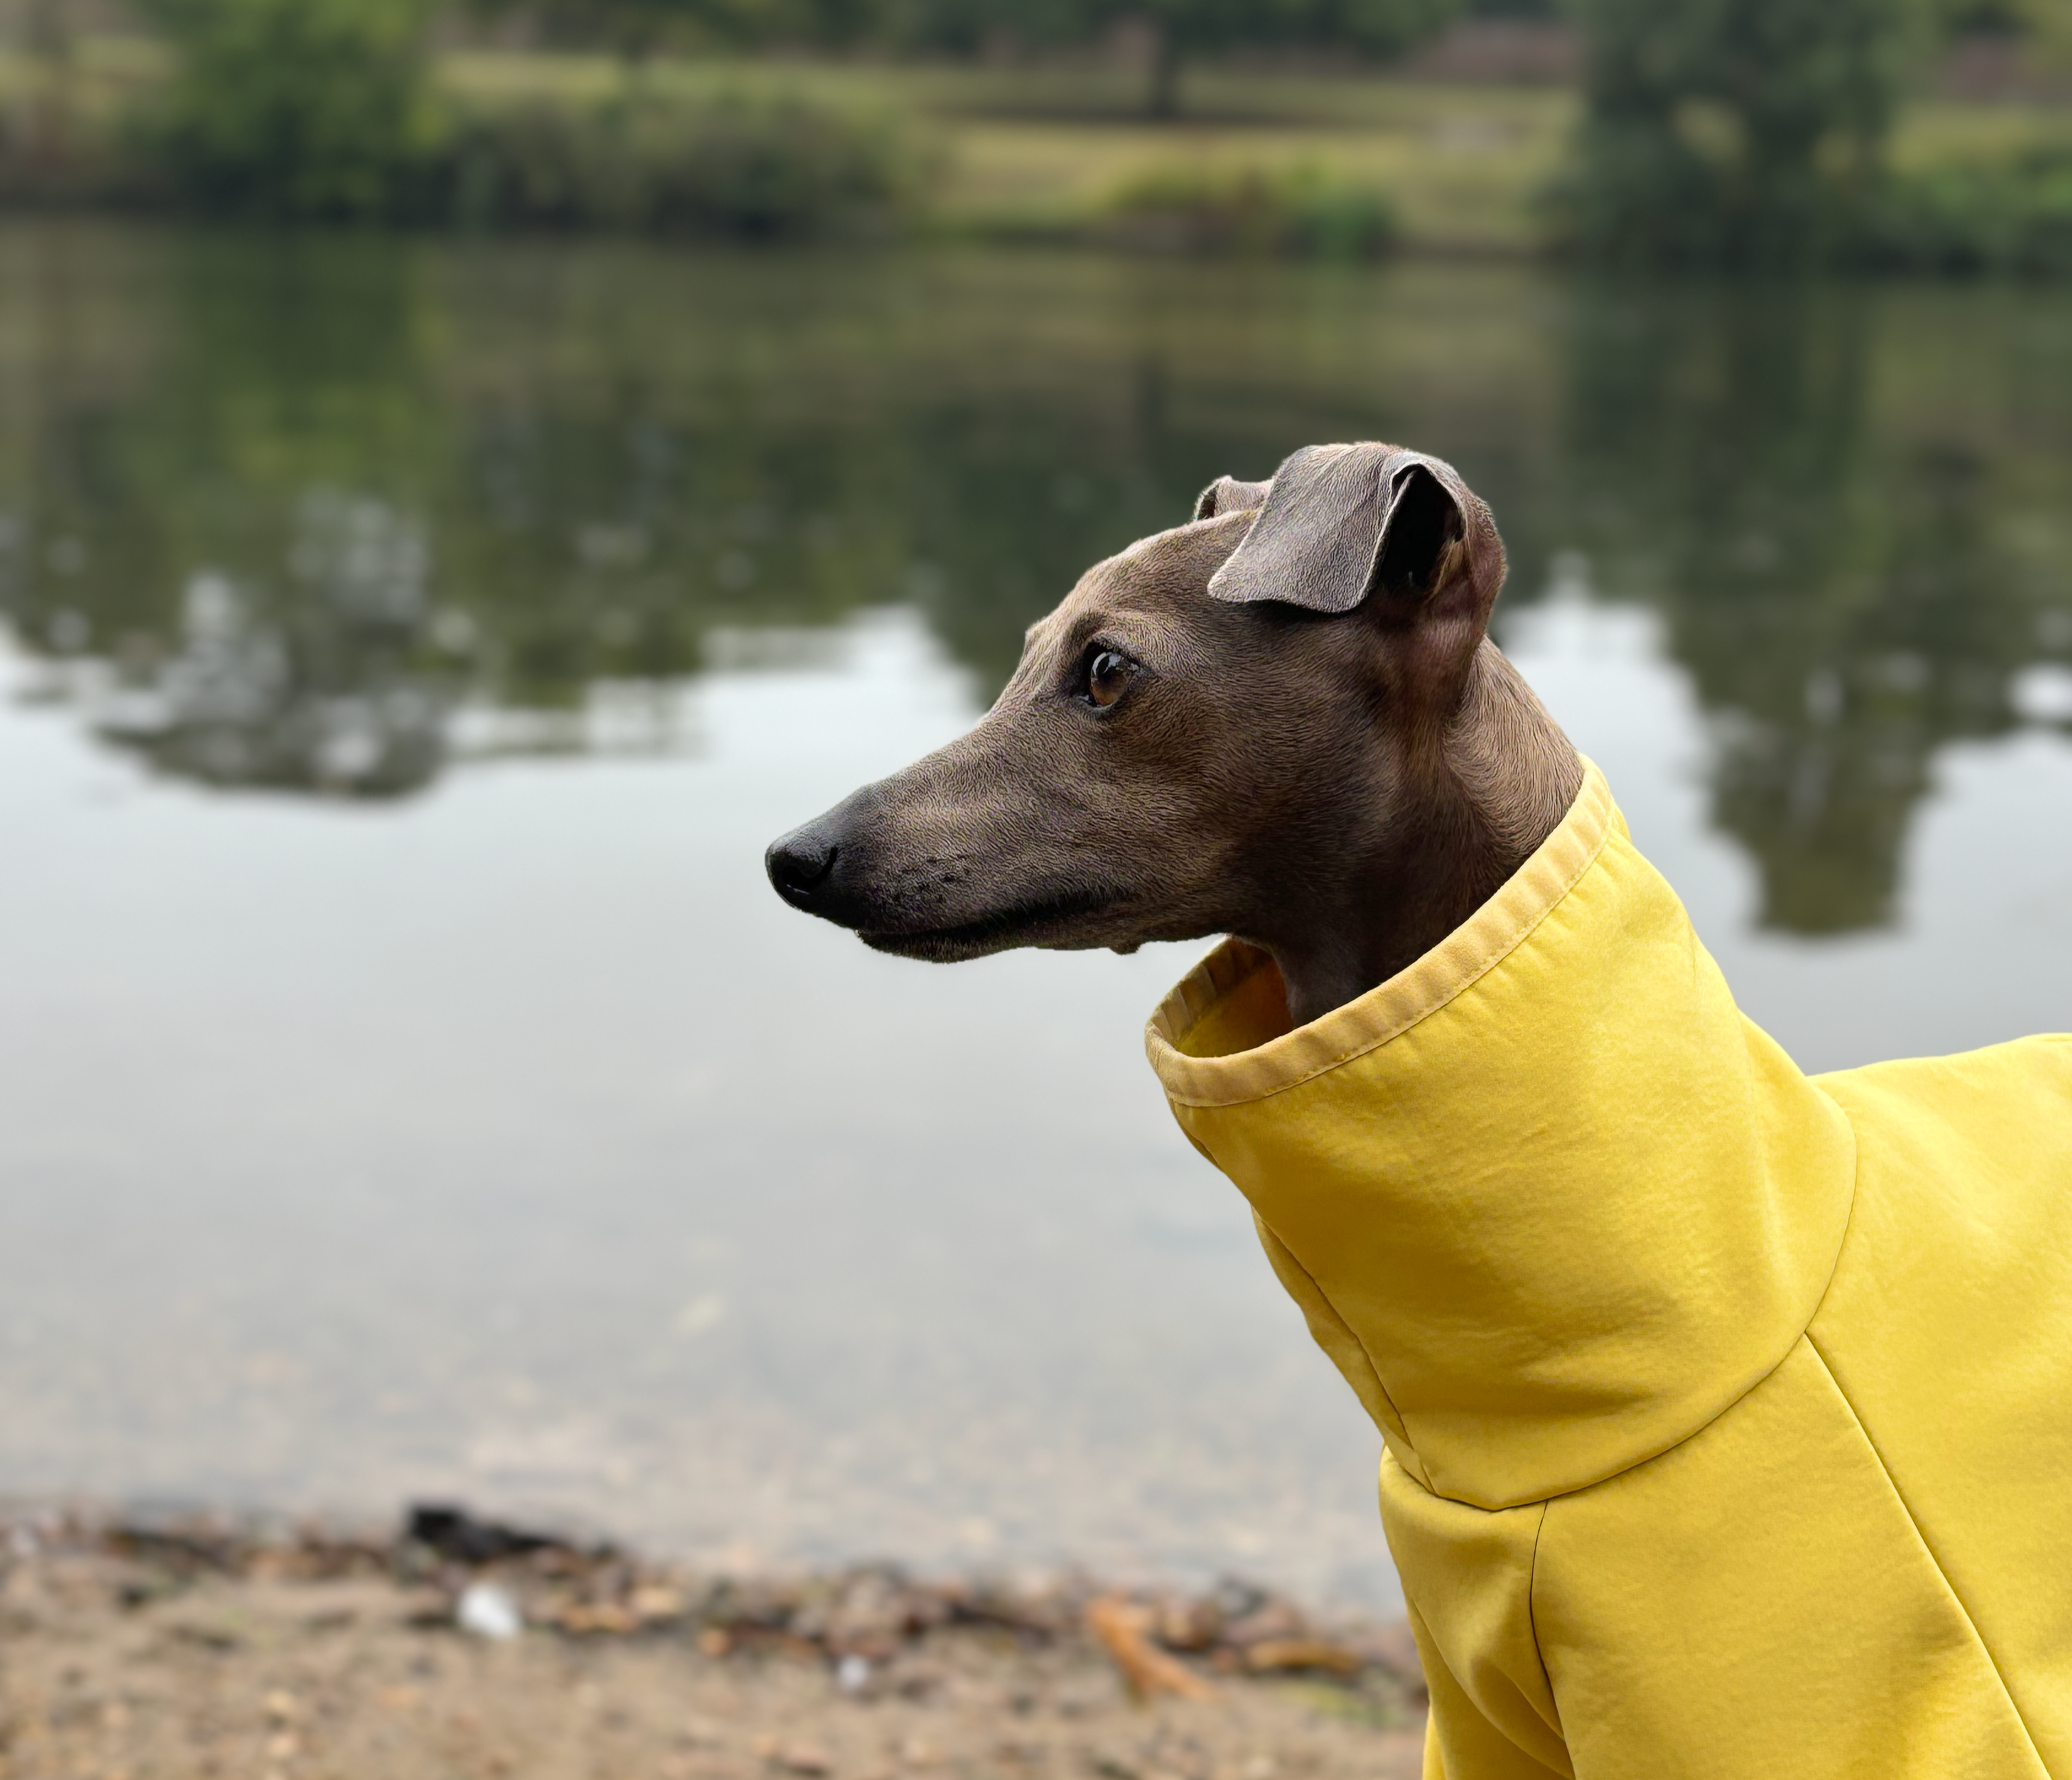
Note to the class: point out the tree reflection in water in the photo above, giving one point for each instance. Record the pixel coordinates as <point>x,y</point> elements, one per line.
<point>328,515</point>
<point>1856,533</point>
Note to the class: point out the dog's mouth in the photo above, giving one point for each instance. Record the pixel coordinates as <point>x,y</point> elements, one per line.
<point>1049,921</point>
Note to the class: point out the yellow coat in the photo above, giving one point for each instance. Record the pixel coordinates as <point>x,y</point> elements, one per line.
<point>1727,1414</point>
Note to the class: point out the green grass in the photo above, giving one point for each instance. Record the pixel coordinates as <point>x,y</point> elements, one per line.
<point>1937,133</point>
<point>1461,166</point>
<point>106,74</point>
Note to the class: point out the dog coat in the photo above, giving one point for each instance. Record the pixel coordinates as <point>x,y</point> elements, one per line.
<point>1726,1412</point>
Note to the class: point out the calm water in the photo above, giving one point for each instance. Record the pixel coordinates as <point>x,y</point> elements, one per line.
<point>407,1082</point>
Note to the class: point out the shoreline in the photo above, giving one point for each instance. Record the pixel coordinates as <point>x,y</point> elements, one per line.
<point>195,1645</point>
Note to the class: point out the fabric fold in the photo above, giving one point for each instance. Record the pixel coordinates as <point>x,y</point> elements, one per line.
<point>1568,1203</point>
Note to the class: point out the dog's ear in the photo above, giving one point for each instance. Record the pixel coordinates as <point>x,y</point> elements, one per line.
<point>1228,495</point>
<point>1343,523</point>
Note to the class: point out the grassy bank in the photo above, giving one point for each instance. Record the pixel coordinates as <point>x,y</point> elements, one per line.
<point>1462,167</point>
<point>1051,153</point>
<point>1438,167</point>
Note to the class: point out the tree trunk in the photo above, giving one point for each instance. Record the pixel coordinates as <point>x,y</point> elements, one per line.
<point>1163,100</point>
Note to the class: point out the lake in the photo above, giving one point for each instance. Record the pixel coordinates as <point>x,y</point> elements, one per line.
<point>409,1085</point>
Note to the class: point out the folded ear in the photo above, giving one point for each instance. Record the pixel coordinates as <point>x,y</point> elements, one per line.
<point>1343,523</point>
<point>1228,495</point>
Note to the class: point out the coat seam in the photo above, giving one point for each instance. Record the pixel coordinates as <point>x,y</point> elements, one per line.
<point>1725,1409</point>
<point>1532,1625</point>
<point>1855,1198</point>
<point>1913,1521</point>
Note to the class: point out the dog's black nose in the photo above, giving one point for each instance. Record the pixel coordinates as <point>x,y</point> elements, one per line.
<point>797,862</point>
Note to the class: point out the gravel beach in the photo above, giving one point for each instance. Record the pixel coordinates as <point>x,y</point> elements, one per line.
<point>191,1648</point>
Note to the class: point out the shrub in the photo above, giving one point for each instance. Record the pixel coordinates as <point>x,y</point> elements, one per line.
<point>1300,212</point>
<point>727,164</point>
<point>319,109</point>
<point>2011,217</point>
<point>294,109</point>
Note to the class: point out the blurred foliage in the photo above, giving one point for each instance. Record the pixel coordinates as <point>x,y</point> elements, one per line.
<point>1697,149</point>
<point>329,110</point>
<point>1185,30</point>
<point>325,110</point>
<point>1299,212</point>
<point>301,108</point>
<point>1736,132</point>
<point>324,513</point>
<point>2008,216</point>
<point>641,158</point>
<point>638,28</point>
<point>1179,30</point>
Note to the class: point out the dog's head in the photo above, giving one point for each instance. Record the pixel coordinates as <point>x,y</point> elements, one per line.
<point>1214,729</point>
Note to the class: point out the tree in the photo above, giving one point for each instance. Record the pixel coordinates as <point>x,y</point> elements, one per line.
<point>1746,131</point>
<point>295,109</point>
<point>1183,30</point>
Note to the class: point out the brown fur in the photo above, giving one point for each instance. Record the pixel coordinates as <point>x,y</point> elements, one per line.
<point>1340,789</point>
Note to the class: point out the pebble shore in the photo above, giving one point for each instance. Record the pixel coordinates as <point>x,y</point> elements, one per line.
<point>189,1648</point>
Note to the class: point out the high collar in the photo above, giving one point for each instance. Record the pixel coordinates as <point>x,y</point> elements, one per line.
<point>1548,1200</point>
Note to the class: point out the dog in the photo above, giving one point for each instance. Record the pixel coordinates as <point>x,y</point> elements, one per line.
<point>1726,1412</point>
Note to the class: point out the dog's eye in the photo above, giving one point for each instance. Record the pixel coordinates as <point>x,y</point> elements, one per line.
<point>1108,675</point>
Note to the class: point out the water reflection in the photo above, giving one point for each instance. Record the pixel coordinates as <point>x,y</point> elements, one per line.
<point>324,517</point>
<point>309,682</point>
<point>1854,526</point>
<point>515,1144</point>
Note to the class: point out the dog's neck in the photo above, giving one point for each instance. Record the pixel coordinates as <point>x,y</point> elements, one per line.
<point>1476,803</point>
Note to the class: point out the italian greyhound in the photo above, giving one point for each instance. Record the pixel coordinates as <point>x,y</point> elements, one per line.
<point>1723,1408</point>
<point>1284,720</point>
